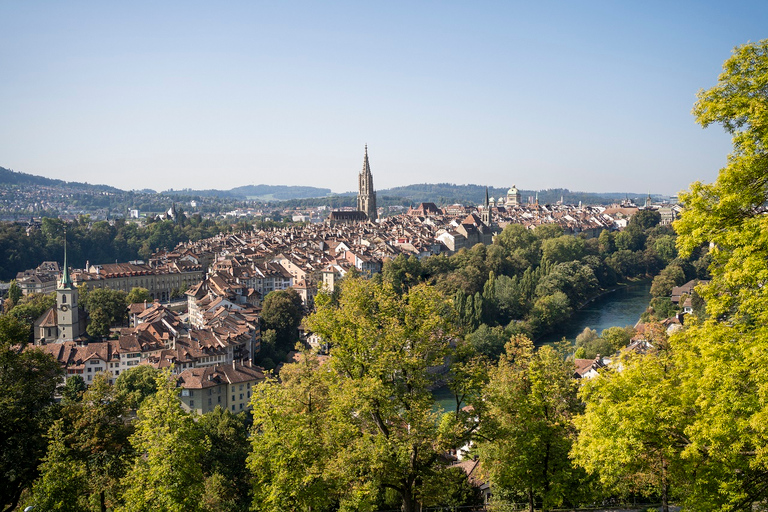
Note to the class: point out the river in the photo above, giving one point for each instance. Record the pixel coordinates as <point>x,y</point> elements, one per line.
<point>615,309</point>
<point>618,308</point>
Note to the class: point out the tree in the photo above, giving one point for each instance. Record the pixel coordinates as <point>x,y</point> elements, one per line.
<point>645,219</point>
<point>91,438</point>
<point>14,292</point>
<point>488,341</point>
<point>722,357</point>
<point>224,463</point>
<point>632,434</point>
<point>105,308</point>
<point>138,296</point>
<point>383,347</point>
<point>28,379</point>
<point>606,242</point>
<point>291,436</point>
<point>282,311</point>
<point>548,311</point>
<point>136,384</point>
<point>167,475</point>
<point>562,249</point>
<point>402,272</point>
<point>73,389</point>
<point>532,400</point>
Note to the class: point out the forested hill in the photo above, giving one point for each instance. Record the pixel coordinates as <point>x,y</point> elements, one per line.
<point>444,194</point>
<point>11,178</point>
<point>449,193</point>
<point>258,192</point>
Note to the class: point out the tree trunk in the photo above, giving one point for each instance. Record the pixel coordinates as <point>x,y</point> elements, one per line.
<point>102,502</point>
<point>531,504</point>
<point>664,487</point>
<point>409,504</point>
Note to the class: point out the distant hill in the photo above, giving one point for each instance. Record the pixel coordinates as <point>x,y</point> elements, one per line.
<point>258,192</point>
<point>297,196</point>
<point>10,178</point>
<point>449,193</point>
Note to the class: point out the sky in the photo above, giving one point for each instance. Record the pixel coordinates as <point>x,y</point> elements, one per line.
<point>586,95</point>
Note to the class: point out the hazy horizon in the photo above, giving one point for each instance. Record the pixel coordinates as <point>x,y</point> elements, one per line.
<point>592,96</point>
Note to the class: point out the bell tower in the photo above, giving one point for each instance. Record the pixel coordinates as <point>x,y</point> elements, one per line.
<point>366,196</point>
<point>67,313</point>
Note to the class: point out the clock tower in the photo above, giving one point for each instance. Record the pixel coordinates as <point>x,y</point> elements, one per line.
<point>67,311</point>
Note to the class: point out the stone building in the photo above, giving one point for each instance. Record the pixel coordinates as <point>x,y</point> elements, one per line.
<point>366,196</point>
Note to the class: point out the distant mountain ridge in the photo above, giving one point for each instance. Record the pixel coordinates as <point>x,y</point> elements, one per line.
<point>10,177</point>
<point>258,192</point>
<point>295,195</point>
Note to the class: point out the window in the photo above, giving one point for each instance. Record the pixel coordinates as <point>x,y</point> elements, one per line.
<point>233,398</point>
<point>63,299</point>
<point>233,407</point>
<point>191,403</point>
<point>219,400</point>
<point>241,396</point>
<point>241,407</point>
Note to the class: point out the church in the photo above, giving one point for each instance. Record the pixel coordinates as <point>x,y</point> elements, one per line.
<point>366,199</point>
<point>66,321</point>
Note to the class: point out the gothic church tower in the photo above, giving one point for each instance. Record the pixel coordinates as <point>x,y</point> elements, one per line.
<point>66,303</point>
<point>366,197</point>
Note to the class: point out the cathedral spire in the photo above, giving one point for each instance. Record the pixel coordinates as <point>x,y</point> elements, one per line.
<point>487,202</point>
<point>66,281</point>
<point>366,197</point>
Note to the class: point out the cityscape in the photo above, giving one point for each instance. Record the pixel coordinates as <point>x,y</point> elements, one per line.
<point>384,257</point>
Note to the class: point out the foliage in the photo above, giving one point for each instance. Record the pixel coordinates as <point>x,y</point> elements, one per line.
<point>282,312</point>
<point>105,308</point>
<point>167,476</point>
<point>532,401</point>
<point>136,384</point>
<point>28,379</point>
<point>632,433</point>
<point>73,389</point>
<point>383,350</point>
<point>290,438</point>
<point>224,462</point>
<point>138,296</point>
<point>88,453</point>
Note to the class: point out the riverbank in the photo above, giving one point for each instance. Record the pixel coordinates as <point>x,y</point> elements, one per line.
<point>620,306</point>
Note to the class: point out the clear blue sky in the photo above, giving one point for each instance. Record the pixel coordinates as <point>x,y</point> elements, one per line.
<point>592,96</point>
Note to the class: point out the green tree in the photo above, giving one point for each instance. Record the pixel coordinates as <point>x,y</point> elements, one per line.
<point>645,219</point>
<point>91,438</point>
<point>282,312</point>
<point>290,462</point>
<point>606,242</point>
<point>14,292</point>
<point>632,434</point>
<point>488,341</point>
<point>28,379</point>
<point>138,296</point>
<point>224,462</point>
<point>549,311</point>
<point>136,384</point>
<point>73,389</point>
<point>532,400</point>
<point>105,308</point>
<point>402,272</point>
<point>383,348</point>
<point>562,249</point>
<point>167,475</point>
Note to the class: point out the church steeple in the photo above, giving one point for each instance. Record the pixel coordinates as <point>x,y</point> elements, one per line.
<point>485,216</point>
<point>65,282</point>
<point>366,197</point>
